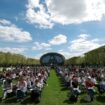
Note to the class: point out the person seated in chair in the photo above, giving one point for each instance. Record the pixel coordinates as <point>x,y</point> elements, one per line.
<point>21,89</point>
<point>75,84</point>
<point>7,85</point>
<point>101,86</point>
<point>75,89</point>
<point>90,87</point>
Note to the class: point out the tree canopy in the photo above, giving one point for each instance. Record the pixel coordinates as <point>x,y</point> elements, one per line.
<point>94,57</point>
<point>7,59</point>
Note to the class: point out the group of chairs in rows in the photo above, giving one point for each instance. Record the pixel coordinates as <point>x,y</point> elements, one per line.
<point>23,87</point>
<point>89,86</point>
<point>33,93</point>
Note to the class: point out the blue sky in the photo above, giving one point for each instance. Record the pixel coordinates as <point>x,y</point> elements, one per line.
<point>35,27</point>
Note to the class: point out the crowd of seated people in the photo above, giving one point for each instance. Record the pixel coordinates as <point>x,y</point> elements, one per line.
<point>83,80</point>
<point>21,81</point>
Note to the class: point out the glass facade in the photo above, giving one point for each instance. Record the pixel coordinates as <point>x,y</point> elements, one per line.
<point>52,59</point>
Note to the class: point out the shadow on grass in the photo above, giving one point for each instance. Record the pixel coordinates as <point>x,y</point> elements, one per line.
<point>63,84</point>
<point>83,101</point>
<point>100,99</point>
<point>0,99</point>
<point>64,89</point>
<point>27,100</point>
<point>69,102</point>
<point>10,100</point>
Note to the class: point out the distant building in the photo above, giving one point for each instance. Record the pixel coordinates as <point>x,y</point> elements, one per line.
<point>52,58</point>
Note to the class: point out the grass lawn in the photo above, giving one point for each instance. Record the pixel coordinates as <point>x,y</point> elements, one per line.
<point>56,94</point>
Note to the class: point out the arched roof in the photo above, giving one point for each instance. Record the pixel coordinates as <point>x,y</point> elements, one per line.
<point>52,58</point>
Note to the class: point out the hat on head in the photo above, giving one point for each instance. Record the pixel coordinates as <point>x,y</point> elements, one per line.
<point>89,77</point>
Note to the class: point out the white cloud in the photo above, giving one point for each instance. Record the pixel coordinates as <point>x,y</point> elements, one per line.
<point>41,46</point>
<point>36,14</point>
<point>83,44</point>
<point>58,40</point>
<point>66,54</point>
<point>10,32</point>
<point>69,11</point>
<point>77,47</point>
<point>64,12</point>
<point>37,56</point>
<point>4,22</point>
<point>13,50</point>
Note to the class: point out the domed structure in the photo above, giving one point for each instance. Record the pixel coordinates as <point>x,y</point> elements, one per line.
<point>52,59</point>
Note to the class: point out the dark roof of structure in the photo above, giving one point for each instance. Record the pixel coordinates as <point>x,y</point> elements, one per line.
<point>52,58</point>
